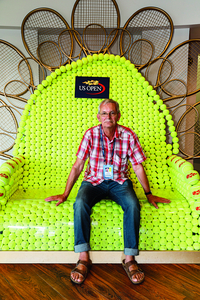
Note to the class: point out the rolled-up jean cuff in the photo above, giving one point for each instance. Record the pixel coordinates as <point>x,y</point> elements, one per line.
<point>82,248</point>
<point>129,251</point>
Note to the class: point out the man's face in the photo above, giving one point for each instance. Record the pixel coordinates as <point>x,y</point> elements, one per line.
<point>108,116</point>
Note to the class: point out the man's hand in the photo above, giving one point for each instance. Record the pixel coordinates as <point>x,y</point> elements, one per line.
<point>154,199</point>
<point>59,198</point>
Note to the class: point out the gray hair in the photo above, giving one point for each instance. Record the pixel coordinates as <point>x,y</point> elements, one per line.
<point>106,101</point>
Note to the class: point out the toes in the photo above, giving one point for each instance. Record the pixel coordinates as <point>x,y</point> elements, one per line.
<point>77,277</point>
<point>138,277</point>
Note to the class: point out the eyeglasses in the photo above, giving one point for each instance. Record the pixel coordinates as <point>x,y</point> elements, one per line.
<point>111,113</point>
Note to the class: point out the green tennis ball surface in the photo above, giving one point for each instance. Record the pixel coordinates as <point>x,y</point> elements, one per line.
<point>195,191</point>
<point>185,166</point>
<point>8,168</point>
<point>192,177</point>
<point>2,193</point>
<point>4,178</point>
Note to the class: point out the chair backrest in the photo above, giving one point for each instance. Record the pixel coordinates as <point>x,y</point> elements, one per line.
<point>54,121</point>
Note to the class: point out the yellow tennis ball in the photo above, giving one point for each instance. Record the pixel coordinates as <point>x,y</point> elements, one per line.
<point>63,69</point>
<point>195,191</point>
<point>2,193</point>
<point>185,166</point>
<point>192,177</point>
<point>8,168</point>
<point>4,178</point>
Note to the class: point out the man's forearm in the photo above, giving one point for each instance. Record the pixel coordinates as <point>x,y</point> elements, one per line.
<point>73,176</point>
<point>142,177</point>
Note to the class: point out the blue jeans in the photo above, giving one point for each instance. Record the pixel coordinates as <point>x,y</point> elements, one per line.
<point>124,195</point>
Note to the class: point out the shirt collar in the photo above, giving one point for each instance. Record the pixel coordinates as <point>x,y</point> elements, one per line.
<point>116,135</point>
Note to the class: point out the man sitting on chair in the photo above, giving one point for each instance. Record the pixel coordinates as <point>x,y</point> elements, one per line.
<point>108,146</point>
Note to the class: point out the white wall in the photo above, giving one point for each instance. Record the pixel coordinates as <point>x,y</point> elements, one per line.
<point>182,12</point>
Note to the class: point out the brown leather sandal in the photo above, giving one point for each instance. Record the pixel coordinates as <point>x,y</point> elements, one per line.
<point>84,273</point>
<point>126,267</point>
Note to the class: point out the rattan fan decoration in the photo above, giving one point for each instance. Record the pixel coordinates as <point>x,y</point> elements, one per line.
<point>10,58</point>
<point>43,25</point>
<point>152,24</point>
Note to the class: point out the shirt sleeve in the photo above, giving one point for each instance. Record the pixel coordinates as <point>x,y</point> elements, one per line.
<point>135,153</point>
<point>84,147</point>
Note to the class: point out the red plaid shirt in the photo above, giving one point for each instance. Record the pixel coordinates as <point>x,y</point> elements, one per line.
<point>127,147</point>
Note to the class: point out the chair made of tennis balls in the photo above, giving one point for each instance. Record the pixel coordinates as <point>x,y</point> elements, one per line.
<point>51,128</point>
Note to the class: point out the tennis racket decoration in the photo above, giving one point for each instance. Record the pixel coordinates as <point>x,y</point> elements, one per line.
<point>103,12</point>
<point>189,144</point>
<point>10,58</point>
<point>8,128</point>
<point>37,76</point>
<point>6,142</point>
<point>8,121</point>
<point>67,41</point>
<point>40,26</point>
<point>10,90</point>
<point>184,59</point>
<point>94,38</point>
<point>154,25</point>
<point>173,92</point>
<point>154,76</point>
<point>189,117</point>
<point>140,53</point>
<point>144,39</point>
<point>4,156</point>
<point>49,55</point>
<point>114,41</point>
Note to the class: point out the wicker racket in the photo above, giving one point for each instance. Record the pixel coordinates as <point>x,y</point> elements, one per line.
<point>94,38</point>
<point>152,24</point>
<point>184,59</point>
<point>189,144</point>
<point>4,156</point>
<point>15,86</point>
<point>49,55</point>
<point>103,12</point>
<point>173,92</point>
<point>8,121</point>
<point>113,43</point>
<point>6,142</point>
<point>141,53</point>
<point>188,119</point>
<point>43,25</point>
<point>38,74</point>
<point>10,58</point>
<point>151,72</point>
<point>67,41</point>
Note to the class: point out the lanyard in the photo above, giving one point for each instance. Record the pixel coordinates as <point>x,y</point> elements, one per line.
<point>103,150</point>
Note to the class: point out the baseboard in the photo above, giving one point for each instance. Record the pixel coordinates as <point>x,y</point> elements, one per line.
<point>98,257</point>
